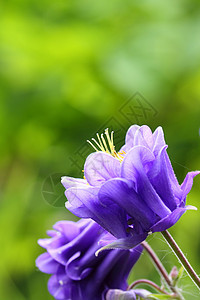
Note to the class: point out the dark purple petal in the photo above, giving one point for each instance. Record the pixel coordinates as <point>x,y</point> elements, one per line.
<point>159,177</point>
<point>47,264</point>
<point>133,168</point>
<point>80,266</point>
<point>121,191</point>
<point>174,182</point>
<point>101,166</point>
<point>110,217</point>
<point>170,220</point>
<point>81,243</point>
<point>117,278</point>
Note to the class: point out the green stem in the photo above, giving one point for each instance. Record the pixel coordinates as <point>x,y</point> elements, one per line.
<point>181,257</point>
<point>161,269</point>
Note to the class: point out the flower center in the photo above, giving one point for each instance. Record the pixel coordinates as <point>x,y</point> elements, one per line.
<point>106,145</point>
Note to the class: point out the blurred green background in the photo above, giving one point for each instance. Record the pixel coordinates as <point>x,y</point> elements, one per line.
<point>67,70</point>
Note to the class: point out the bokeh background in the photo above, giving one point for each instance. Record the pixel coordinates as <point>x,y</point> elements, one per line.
<point>69,69</point>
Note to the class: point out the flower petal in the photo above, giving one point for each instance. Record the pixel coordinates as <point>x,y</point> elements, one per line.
<point>120,295</point>
<point>158,140</point>
<point>121,191</point>
<point>78,267</point>
<point>187,184</point>
<point>81,243</point>
<point>129,140</point>
<point>144,137</point>
<point>110,217</point>
<point>170,220</point>
<point>125,243</point>
<point>159,177</point>
<point>47,264</point>
<point>118,276</point>
<point>134,167</point>
<point>101,166</point>
<point>69,182</point>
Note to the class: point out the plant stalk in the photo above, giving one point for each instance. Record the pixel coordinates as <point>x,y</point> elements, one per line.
<point>161,269</point>
<point>181,257</point>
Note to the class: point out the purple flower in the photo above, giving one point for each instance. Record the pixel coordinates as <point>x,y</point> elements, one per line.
<point>77,274</point>
<point>131,193</point>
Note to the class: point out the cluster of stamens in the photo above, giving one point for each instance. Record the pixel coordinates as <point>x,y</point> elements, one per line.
<point>106,145</point>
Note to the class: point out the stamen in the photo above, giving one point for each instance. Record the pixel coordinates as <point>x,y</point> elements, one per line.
<point>106,145</point>
<point>92,146</point>
<point>104,142</point>
<point>100,141</point>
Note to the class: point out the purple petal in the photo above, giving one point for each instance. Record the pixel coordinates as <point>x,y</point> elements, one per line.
<point>118,276</point>
<point>81,243</point>
<point>125,243</point>
<point>55,242</point>
<point>69,182</point>
<point>158,140</point>
<point>144,137</point>
<point>170,220</point>
<point>59,289</point>
<point>68,228</point>
<point>159,177</point>
<point>174,182</point>
<point>129,140</point>
<point>110,217</point>
<point>134,167</point>
<point>121,191</point>
<point>47,264</point>
<point>187,184</point>
<point>101,166</point>
<point>78,267</point>
<point>142,293</point>
<point>120,295</point>
<point>106,239</point>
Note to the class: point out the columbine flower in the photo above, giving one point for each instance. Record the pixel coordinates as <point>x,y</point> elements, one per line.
<point>77,274</point>
<point>130,193</point>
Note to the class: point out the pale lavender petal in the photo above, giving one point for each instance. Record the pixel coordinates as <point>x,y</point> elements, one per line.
<point>101,166</point>
<point>158,140</point>
<point>144,137</point>
<point>69,182</point>
<point>120,295</point>
<point>129,140</point>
